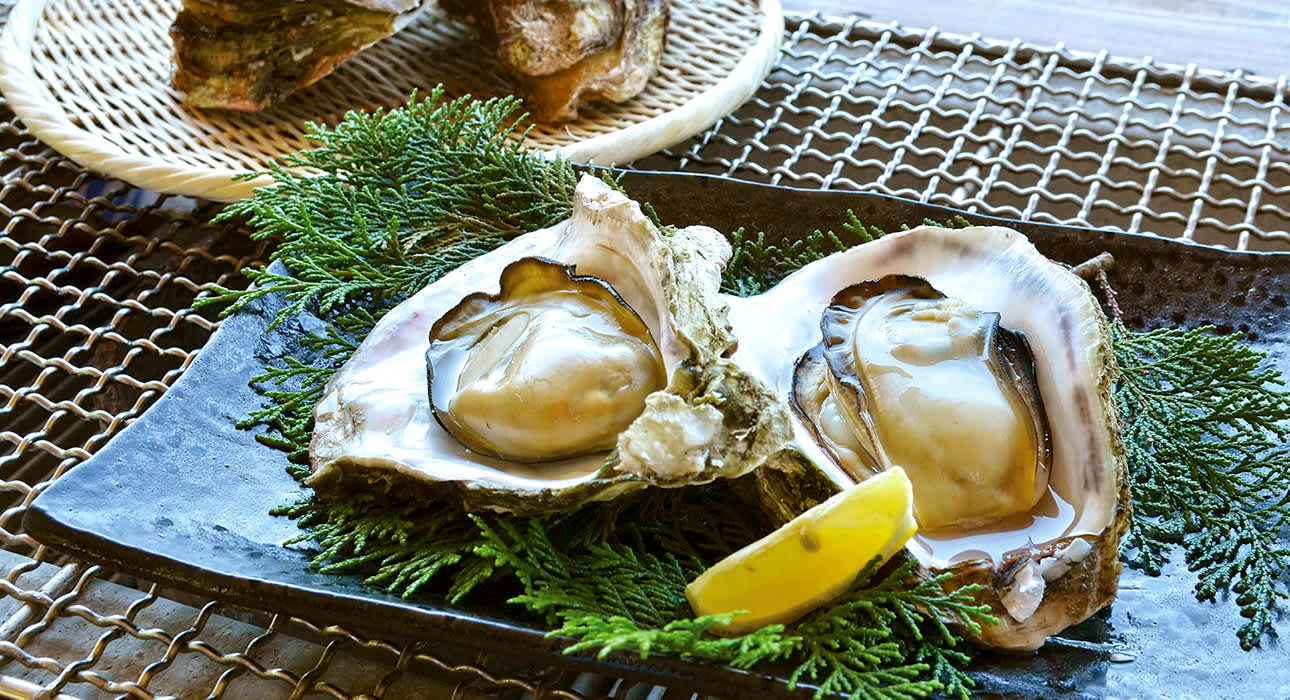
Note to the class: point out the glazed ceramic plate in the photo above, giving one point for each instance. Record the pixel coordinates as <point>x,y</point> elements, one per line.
<point>183,497</point>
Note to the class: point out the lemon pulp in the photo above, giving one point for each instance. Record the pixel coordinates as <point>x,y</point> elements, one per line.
<point>811,559</point>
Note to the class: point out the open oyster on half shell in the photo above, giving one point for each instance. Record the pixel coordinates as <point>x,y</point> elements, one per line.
<point>573,364</point>
<point>985,371</point>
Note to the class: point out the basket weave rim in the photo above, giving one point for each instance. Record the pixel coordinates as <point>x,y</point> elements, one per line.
<point>33,103</point>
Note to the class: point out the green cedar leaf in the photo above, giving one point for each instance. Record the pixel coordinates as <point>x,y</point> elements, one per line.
<point>1205,428</point>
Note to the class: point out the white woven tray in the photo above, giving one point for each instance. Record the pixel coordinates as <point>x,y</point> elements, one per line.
<point>92,79</point>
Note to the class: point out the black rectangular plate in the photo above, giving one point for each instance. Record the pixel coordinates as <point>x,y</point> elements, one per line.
<point>183,497</point>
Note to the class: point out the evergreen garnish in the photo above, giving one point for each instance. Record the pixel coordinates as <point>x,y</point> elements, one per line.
<point>403,197</point>
<point>757,265</point>
<point>1205,435</point>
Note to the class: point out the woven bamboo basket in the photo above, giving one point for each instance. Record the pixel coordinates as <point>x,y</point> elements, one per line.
<point>92,79</point>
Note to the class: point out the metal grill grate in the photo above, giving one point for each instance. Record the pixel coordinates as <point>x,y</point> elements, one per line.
<point>1015,131</point>
<point>97,282</point>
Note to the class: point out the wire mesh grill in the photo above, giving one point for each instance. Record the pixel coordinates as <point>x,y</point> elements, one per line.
<point>98,280</point>
<point>1015,131</point>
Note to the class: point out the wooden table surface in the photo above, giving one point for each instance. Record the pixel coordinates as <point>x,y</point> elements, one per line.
<point>1220,34</point>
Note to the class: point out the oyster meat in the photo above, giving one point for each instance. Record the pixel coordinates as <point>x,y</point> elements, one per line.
<point>375,423</point>
<point>899,356</point>
<point>247,54</point>
<point>1019,473</point>
<point>494,359</point>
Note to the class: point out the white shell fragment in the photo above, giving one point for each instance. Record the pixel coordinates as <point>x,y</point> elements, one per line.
<point>672,438</point>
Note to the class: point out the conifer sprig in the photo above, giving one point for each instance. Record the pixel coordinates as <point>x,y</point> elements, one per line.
<point>392,200</point>
<point>757,264</point>
<point>1205,428</point>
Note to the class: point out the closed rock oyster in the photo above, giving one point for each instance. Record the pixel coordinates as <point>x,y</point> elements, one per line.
<point>1038,526</point>
<point>563,54</point>
<point>248,54</point>
<point>375,424</point>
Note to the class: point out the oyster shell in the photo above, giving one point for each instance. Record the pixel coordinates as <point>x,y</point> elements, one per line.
<point>1046,559</point>
<point>1055,563</point>
<point>566,53</point>
<point>247,54</point>
<point>541,37</point>
<point>374,422</point>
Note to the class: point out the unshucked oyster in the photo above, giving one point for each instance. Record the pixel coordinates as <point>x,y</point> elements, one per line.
<point>247,54</point>
<point>563,54</point>
<point>1018,473</point>
<point>639,308</point>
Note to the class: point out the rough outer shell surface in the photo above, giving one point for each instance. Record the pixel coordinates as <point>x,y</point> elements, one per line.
<point>1072,568</point>
<point>540,38</point>
<point>564,54</point>
<point>248,54</point>
<point>616,74</point>
<point>374,422</point>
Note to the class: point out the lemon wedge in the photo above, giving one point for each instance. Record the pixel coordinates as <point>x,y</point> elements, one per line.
<point>811,559</point>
